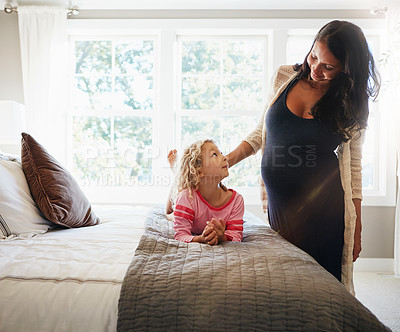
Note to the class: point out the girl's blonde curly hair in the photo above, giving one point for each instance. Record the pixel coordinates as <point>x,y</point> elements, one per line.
<point>188,176</point>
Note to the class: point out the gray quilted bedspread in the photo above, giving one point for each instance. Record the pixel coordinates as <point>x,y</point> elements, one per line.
<point>261,284</point>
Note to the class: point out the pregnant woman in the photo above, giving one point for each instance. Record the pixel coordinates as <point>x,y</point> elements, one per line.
<point>311,136</point>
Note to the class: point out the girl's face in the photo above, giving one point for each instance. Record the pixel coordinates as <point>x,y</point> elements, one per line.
<point>214,164</point>
<point>323,64</point>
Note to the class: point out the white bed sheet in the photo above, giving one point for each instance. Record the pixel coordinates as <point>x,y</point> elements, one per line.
<point>70,279</point>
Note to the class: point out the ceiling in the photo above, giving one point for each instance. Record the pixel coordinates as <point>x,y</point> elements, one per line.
<point>213,4</point>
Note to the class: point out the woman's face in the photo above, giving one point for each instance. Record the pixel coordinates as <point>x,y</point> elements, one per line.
<point>323,64</point>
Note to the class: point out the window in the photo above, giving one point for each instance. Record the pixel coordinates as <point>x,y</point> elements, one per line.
<point>222,83</point>
<point>141,87</point>
<point>112,103</point>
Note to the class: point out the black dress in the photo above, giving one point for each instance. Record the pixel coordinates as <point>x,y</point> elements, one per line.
<point>301,174</point>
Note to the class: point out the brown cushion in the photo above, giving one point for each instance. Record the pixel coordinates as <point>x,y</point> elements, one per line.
<point>53,188</point>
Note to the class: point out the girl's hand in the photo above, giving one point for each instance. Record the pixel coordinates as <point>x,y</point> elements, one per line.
<point>210,236</point>
<point>218,226</point>
<point>213,242</point>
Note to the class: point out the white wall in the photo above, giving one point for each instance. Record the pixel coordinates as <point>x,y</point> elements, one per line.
<point>378,222</point>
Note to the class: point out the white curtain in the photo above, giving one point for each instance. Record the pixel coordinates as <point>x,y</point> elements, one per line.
<point>393,20</point>
<point>42,31</point>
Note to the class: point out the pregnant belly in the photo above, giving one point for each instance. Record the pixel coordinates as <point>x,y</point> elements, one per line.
<point>298,175</point>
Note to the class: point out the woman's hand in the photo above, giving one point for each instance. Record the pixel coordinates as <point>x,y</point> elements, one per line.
<point>218,226</point>
<point>357,246</point>
<point>357,240</point>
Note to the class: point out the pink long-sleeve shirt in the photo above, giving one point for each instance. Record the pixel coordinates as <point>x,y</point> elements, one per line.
<point>191,216</point>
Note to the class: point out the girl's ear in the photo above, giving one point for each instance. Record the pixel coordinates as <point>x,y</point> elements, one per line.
<point>201,174</point>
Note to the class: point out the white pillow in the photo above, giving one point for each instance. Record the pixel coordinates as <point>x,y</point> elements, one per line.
<point>19,215</point>
<point>8,156</point>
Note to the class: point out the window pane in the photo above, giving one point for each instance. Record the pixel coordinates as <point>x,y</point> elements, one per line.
<point>91,132</point>
<point>200,93</point>
<point>298,48</point>
<point>200,57</point>
<point>134,92</point>
<point>104,158</point>
<point>369,156</point>
<point>368,171</point>
<point>242,93</point>
<point>93,57</point>
<point>128,84</point>
<point>133,146</point>
<point>91,92</point>
<point>231,80</point>
<point>135,57</point>
<point>198,128</point>
<point>91,141</point>
<point>243,56</point>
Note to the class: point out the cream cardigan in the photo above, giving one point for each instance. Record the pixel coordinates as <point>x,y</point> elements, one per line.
<point>349,155</point>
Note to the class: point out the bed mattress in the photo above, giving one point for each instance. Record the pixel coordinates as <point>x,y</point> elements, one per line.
<point>69,279</point>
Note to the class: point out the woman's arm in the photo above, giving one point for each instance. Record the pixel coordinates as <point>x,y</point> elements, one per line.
<point>357,231</point>
<point>356,186</point>
<point>242,151</point>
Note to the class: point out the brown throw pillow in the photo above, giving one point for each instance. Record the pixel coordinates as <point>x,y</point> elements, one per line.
<point>53,188</point>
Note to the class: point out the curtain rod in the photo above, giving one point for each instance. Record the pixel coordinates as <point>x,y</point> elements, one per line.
<point>378,10</point>
<point>9,9</point>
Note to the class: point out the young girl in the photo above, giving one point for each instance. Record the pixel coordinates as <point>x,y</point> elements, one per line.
<point>205,210</point>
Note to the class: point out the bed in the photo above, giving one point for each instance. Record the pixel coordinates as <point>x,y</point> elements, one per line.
<point>118,268</point>
<point>69,279</point>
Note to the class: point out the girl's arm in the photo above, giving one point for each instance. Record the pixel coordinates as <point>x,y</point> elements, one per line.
<point>232,229</point>
<point>182,226</point>
<point>183,222</point>
<point>183,217</point>
<point>234,226</point>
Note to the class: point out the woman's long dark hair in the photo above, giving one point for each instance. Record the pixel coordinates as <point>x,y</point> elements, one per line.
<point>345,105</point>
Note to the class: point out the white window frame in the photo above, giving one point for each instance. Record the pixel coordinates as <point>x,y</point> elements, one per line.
<point>166,100</point>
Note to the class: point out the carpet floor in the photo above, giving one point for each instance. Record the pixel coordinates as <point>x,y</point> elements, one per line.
<point>380,293</point>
